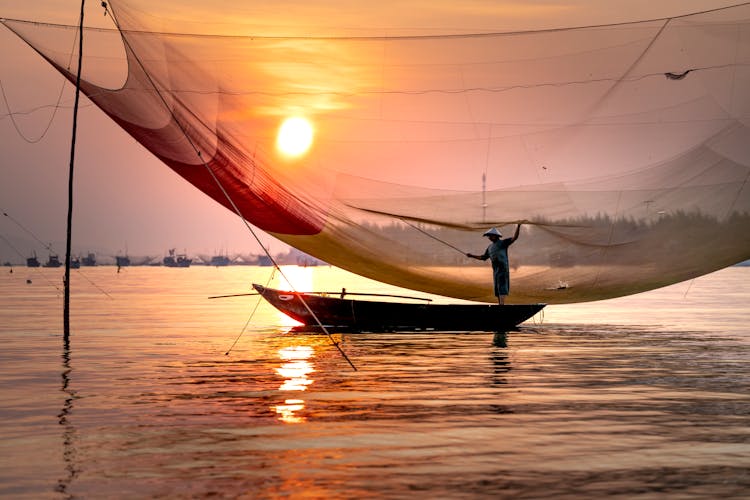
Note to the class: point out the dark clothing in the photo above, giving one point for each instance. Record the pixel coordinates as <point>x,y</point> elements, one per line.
<point>497,252</point>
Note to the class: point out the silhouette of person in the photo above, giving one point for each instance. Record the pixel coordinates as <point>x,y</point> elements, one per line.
<point>497,252</point>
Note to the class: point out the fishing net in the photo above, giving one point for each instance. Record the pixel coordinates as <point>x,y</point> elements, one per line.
<point>623,147</point>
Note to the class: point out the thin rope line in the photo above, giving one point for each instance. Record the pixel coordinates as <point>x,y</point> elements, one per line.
<point>257,303</point>
<point>36,269</point>
<point>449,91</point>
<point>224,191</point>
<point>736,198</point>
<point>50,249</point>
<point>12,114</point>
<point>438,36</point>
<point>56,106</point>
<point>605,248</point>
<point>405,221</point>
<point>684,296</point>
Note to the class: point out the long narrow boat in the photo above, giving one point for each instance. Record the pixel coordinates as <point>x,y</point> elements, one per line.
<point>372,315</point>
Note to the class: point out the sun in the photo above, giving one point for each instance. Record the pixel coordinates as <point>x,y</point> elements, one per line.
<point>295,136</point>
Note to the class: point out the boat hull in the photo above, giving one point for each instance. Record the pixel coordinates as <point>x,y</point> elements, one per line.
<point>367,315</point>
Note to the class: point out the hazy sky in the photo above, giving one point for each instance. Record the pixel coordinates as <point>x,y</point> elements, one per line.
<point>124,198</point>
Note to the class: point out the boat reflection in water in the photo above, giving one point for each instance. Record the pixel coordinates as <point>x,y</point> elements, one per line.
<point>295,370</point>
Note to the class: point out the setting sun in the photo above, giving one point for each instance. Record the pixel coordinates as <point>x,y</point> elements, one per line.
<point>295,136</point>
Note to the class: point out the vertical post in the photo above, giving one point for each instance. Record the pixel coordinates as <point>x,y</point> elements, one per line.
<point>66,284</point>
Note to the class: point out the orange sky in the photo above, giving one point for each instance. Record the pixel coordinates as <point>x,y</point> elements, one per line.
<point>125,199</point>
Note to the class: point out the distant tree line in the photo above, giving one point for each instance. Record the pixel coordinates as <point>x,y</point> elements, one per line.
<point>579,240</point>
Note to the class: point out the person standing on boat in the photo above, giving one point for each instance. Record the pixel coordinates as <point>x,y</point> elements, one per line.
<point>497,252</point>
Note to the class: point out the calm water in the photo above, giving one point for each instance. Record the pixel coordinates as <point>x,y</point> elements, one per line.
<point>646,396</point>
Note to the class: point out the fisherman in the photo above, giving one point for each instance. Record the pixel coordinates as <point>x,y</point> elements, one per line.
<point>497,252</point>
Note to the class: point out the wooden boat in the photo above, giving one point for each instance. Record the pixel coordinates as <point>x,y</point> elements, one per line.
<point>371,315</point>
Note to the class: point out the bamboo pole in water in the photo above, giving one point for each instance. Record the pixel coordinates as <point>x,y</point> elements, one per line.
<point>69,232</point>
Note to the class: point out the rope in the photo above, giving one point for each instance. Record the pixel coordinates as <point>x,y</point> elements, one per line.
<point>221,186</point>
<point>257,303</point>
<point>49,248</point>
<point>438,36</point>
<point>56,106</point>
<point>432,236</point>
<point>36,269</point>
<point>688,289</point>
<point>12,114</point>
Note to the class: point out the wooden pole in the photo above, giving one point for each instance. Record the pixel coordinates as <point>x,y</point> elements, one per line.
<point>68,241</point>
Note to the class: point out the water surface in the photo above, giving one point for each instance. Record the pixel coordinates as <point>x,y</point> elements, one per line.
<point>646,396</point>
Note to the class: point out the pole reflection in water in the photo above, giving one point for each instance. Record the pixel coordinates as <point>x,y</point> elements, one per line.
<point>69,431</point>
<point>500,339</point>
<point>295,370</point>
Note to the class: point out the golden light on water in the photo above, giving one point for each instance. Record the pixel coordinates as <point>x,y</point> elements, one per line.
<point>295,370</point>
<point>295,136</point>
<point>286,411</point>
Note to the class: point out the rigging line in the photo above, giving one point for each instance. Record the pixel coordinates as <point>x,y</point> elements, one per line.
<point>80,273</point>
<point>268,254</point>
<point>257,303</point>
<point>624,76</point>
<point>55,108</point>
<point>224,191</point>
<point>606,247</point>
<point>7,241</point>
<point>405,221</point>
<point>468,226</point>
<point>437,36</point>
<point>12,114</point>
<point>739,192</point>
<point>49,248</point>
<point>452,91</point>
<point>688,288</point>
<point>418,92</point>
<point>342,293</point>
<point>36,269</point>
<point>247,294</point>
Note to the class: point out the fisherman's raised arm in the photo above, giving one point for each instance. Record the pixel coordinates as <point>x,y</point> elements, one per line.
<point>515,235</point>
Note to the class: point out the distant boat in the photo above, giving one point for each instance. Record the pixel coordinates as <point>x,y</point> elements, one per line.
<point>176,260</point>
<point>122,260</point>
<point>306,261</point>
<point>53,261</point>
<point>32,261</point>
<point>220,260</point>
<point>89,260</point>
<point>264,260</point>
<point>75,263</point>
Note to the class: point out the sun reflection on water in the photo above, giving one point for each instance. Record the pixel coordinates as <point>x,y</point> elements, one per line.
<point>295,370</point>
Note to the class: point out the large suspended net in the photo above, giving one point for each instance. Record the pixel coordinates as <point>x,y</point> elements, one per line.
<point>624,147</point>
